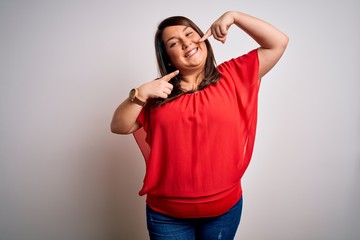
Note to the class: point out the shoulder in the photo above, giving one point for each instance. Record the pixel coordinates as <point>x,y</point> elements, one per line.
<point>243,70</point>
<point>245,59</point>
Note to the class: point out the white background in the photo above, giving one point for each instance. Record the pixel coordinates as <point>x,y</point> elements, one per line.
<point>66,65</point>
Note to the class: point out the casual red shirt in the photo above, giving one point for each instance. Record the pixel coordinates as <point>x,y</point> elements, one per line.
<point>199,145</point>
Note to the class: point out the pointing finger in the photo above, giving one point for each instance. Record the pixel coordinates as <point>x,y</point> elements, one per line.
<point>206,36</point>
<point>169,76</point>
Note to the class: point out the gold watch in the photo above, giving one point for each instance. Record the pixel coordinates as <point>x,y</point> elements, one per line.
<point>133,97</point>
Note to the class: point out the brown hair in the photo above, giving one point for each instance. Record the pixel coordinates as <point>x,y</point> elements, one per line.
<point>212,76</point>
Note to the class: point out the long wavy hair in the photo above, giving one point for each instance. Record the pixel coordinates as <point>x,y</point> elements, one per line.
<point>211,74</point>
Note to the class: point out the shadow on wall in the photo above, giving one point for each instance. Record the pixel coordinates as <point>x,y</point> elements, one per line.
<point>111,208</point>
<point>126,167</point>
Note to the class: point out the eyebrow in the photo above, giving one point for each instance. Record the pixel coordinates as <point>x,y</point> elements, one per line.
<point>174,37</point>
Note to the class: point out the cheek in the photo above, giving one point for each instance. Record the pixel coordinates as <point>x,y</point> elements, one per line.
<point>196,38</point>
<point>203,47</point>
<point>173,54</point>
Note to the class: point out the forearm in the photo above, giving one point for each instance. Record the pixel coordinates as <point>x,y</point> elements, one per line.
<point>266,35</point>
<point>272,41</point>
<point>125,116</point>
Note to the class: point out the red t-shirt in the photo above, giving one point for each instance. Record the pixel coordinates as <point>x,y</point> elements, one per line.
<point>199,145</point>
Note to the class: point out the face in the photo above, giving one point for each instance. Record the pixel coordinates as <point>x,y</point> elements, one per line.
<point>183,48</point>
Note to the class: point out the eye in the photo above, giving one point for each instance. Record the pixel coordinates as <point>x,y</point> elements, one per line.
<point>189,34</point>
<point>172,44</point>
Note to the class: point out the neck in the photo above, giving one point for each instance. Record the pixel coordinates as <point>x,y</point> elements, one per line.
<point>191,82</point>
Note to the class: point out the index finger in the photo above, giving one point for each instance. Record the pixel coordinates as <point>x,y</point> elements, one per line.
<point>169,76</point>
<point>206,36</point>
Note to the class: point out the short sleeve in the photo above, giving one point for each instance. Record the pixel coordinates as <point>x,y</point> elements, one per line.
<point>141,117</point>
<point>243,72</point>
<point>141,135</point>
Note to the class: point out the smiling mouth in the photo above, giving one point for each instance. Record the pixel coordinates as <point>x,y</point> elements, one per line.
<point>192,52</point>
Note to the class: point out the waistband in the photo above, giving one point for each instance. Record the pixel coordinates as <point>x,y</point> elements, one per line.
<point>212,206</point>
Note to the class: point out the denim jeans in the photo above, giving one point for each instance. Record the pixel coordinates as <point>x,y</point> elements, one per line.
<point>162,227</point>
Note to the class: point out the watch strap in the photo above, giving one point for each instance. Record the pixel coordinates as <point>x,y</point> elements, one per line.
<point>138,101</point>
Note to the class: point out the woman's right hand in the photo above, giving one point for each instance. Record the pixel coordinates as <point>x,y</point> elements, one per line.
<point>124,120</point>
<point>158,88</point>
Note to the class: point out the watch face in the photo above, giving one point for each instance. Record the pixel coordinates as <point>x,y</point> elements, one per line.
<point>132,93</point>
<point>134,99</point>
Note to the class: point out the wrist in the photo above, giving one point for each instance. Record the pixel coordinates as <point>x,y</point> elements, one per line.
<point>140,95</point>
<point>236,16</point>
<point>145,91</point>
<point>135,98</point>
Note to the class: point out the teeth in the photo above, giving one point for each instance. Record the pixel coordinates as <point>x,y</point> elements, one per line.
<point>191,52</point>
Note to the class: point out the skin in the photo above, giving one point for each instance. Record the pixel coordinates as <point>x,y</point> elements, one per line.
<point>272,42</point>
<point>186,53</point>
<point>180,41</point>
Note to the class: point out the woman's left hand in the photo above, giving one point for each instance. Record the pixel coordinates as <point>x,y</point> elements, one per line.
<point>219,28</point>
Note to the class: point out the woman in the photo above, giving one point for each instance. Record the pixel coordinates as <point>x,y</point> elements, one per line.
<point>199,122</point>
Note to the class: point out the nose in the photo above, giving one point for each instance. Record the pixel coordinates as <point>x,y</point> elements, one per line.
<point>186,44</point>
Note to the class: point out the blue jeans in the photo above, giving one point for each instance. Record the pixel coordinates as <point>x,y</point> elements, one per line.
<point>162,227</point>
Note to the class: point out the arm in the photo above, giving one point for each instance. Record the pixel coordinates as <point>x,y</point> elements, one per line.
<point>125,116</point>
<point>272,41</point>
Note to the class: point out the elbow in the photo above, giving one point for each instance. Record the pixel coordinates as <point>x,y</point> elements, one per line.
<point>116,129</point>
<point>282,44</point>
<point>285,41</point>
